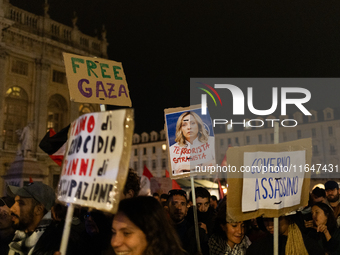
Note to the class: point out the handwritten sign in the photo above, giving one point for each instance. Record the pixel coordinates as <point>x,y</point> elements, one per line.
<point>263,173</point>
<point>271,181</point>
<point>191,141</point>
<point>96,80</point>
<point>93,172</point>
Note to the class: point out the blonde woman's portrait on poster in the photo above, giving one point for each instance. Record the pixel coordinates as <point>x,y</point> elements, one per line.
<point>191,141</point>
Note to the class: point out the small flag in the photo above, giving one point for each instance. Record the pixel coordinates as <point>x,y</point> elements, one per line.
<point>220,189</point>
<point>54,144</point>
<point>145,188</point>
<point>147,173</point>
<point>224,161</point>
<point>175,185</point>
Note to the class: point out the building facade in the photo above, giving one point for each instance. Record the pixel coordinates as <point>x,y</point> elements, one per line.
<point>149,150</point>
<point>33,86</point>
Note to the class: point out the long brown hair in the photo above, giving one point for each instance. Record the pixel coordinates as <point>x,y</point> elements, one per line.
<point>148,215</point>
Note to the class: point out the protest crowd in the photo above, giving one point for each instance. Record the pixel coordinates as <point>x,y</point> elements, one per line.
<point>32,223</point>
<point>101,205</point>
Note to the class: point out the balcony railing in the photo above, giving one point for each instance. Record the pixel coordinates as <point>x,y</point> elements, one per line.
<point>44,26</point>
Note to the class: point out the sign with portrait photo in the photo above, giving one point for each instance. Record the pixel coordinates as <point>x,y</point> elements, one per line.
<point>191,141</point>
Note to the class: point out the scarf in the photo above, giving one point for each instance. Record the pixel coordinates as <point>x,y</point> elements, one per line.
<point>23,243</point>
<point>219,246</point>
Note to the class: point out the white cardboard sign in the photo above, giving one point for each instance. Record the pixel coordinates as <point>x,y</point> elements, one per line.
<point>91,163</point>
<point>272,180</point>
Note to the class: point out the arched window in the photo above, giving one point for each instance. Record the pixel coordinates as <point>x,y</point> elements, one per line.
<point>56,112</point>
<point>16,104</point>
<point>85,108</point>
<point>136,138</point>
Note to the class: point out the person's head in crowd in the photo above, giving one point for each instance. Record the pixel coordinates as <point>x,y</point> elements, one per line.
<point>332,191</point>
<point>132,185</point>
<point>58,212</point>
<point>32,202</point>
<point>213,202</point>
<point>231,231</point>
<point>288,226</point>
<point>323,215</point>
<point>165,205</point>
<point>156,196</point>
<point>5,213</point>
<point>140,227</point>
<point>164,197</point>
<point>164,201</point>
<point>177,205</point>
<point>283,226</point>
<point>96,222</point>
<point>189,127</point>
<point>318,195</point>
<point>90,225</point>
<point>202,199</point>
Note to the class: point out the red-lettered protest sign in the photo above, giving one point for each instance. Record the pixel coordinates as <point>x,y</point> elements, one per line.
<point>96,80</point>
<point>97,158</point>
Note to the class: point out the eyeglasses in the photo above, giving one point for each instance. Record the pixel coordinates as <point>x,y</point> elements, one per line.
<point>177,192</point>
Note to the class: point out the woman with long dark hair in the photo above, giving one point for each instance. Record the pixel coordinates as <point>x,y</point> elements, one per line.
<point>141,227</point>
<point>325,224</point>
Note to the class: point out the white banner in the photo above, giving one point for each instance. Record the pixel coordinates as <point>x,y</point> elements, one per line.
<point>145,189</point>
<point>91,163</point>
<point>272,180</point>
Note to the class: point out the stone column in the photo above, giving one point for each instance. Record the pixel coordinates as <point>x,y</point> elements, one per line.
<point>3,7</point>
<point>3,68</point>
<point>41,100</point>
<point>74,111</point>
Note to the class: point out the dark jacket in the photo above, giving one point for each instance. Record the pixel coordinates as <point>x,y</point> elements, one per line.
<point>266,244</point>
<point>208,218</point>
<point>50,241</point>
<point>187,237</point>
<point>4,248</point>
<point>332,247</point>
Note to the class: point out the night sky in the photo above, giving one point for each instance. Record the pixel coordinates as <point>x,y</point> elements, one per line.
<point>162,44</point>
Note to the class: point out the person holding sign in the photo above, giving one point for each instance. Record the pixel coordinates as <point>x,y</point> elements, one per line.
<point>178,208</point>
<point>325,224</point>
<point>193,144</point>
<point>141,227</point>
